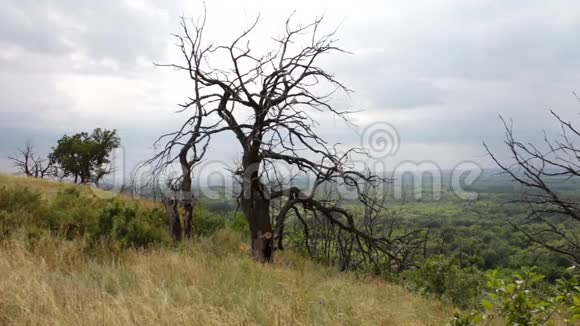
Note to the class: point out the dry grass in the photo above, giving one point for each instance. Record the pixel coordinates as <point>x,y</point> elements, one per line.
<point>49,188</point>
<point>207,282</point>
<point>58,282</point>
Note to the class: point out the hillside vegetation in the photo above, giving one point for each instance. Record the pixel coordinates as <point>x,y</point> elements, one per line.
<point>69,257</point>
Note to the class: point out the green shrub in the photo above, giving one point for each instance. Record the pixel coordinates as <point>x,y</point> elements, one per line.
<point>206,222</point>
<point>523,299</point>
<point>71,214</point>
<point>471,318</point>
<point>445,279</point>
<point>129,225</point>
<point>13,222</point>
<point>18,199</point>
<point>239,224</point>
<point>19,207</point>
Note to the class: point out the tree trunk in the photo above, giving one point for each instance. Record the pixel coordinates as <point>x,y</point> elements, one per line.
<point>173,219</point>
<point>280,238</point>
<point>256,208</point>
<point>186,193</point>
<point>188,220</point>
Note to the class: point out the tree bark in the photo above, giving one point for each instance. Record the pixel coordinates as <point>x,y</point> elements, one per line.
<point>188,220</point>
<point>257,212</point>
<point>173,219</point>
<point>186,191</point>
<point>255,204</point>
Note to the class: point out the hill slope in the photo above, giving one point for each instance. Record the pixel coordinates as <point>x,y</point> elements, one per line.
<point>210,281</point>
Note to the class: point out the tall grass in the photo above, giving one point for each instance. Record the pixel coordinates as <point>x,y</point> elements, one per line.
<point>48,280</point>
<point>210,282</point>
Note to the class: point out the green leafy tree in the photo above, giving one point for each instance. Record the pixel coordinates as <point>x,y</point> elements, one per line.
<point>524,299</point>
<point>521,300</point>
<point>86,157</point>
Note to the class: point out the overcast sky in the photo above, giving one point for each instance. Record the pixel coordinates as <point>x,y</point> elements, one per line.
<point>440,71</point>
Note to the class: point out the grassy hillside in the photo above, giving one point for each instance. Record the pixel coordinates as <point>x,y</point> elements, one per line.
<point>48,189</point>
<point>211,281</point>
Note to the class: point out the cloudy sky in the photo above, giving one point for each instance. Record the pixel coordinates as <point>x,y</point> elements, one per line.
<point>439,71</point>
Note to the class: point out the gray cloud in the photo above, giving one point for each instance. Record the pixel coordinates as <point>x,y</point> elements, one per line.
<point>440,71</point>
<point>99,29</point>
<point>463,63</point>
<point>475,40</point>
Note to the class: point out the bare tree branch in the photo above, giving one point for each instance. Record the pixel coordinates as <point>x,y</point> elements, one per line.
<point>553,221</point>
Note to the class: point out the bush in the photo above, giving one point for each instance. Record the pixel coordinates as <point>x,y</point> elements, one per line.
<point>523,299</point>
<point>472,318</point>
<point>444,278</point>
<point>520,300</point>
<point>18,199</point>
<point>71,215</point>
<point>13,222</point>
<point>130,226</point>
<point>239,224</point>
<point>206,222</point>
<point>19,207</point>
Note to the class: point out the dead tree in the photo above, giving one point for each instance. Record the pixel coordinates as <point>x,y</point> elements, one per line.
<point>266,102</point>
<point>28,163</point>
<point>553,221</point>
<point>186,149</point>
<point>376,239</point>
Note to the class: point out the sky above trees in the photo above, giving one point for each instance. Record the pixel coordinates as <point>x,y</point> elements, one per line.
<point>439,71</point>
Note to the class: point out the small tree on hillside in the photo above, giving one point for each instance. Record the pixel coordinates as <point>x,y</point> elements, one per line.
<point>86,157</point>
<point>266,102</point>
